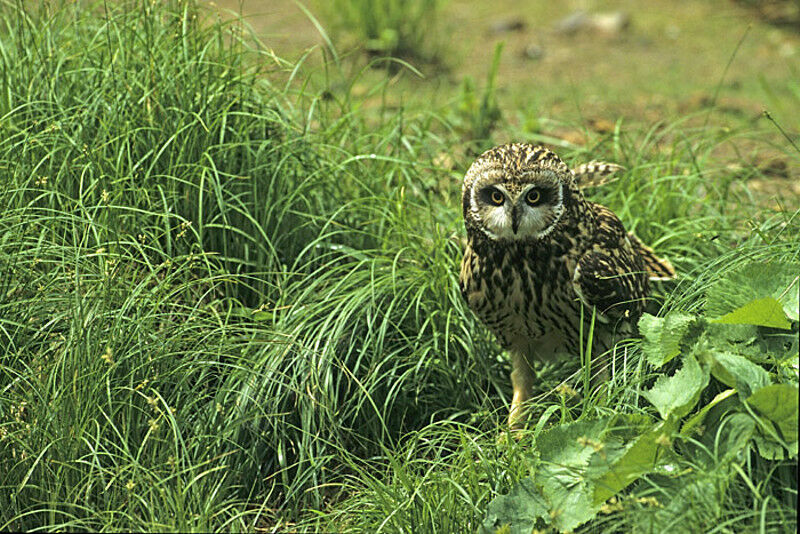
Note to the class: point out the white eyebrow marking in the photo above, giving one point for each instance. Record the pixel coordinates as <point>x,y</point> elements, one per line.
<point>503,190</point>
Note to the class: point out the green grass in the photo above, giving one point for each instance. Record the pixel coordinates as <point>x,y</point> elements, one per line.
<point>387,28</point>
<point>228,294</point>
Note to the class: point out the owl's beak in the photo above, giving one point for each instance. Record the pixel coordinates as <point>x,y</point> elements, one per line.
<point>516,217</point>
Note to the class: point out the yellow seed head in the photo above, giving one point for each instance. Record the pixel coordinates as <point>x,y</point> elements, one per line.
<point>108,356</point>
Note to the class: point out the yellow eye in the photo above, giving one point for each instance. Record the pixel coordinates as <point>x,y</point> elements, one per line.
<point>533,196</point>
<point>497,197</point>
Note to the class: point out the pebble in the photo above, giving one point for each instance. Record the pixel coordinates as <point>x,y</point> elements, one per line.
<point>534,52</point>
<point>611,23</point>
<point>507,25</point>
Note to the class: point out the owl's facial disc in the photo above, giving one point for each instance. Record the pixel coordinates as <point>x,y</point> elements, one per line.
<point>526,211</point>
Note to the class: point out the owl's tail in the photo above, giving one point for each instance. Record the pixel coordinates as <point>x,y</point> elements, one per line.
<point>657,268</point>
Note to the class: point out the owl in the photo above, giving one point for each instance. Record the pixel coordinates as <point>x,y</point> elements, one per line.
<point>542,265</point>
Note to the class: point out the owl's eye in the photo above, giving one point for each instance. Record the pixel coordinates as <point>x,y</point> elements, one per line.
<point>497,197</point>
<point>533,197</point>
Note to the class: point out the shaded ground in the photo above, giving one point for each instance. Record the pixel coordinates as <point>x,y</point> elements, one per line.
<point>662,63</point>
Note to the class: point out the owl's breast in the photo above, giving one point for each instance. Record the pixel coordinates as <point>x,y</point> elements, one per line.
<point>523,295</point>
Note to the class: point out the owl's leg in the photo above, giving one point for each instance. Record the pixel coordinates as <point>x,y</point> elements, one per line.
<point>522,383</point>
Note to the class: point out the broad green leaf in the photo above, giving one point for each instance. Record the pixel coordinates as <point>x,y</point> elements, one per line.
<point>518,511</point>
<point>769,442</point>
<point>663,335</point>
<point>734,333</point>
<point>676,395</point>
<point>558,492</point>
<point>769,449</point>
<point>734,434</point>
<point>790,297</point>
<point>562,444</point>
<point>575,455</point>
<point>639,458</point>
<point>765,311</point>
<point>778,403</point>
<point>568,494</point>
<point>739,372</point>
<point>561,478</point>
<point>755,280</point>
<point>695,420</point>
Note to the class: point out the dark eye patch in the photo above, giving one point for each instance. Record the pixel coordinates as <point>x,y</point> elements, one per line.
<point>492,196</point>
<point>547,195</point>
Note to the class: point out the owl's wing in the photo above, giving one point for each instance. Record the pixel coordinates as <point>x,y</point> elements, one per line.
<point>595,173</point>
<point>611,276</point>
<point>657,268</point>
<point>612,284</point>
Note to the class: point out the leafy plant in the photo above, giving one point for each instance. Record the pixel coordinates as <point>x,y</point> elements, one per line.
<point>736,391</point>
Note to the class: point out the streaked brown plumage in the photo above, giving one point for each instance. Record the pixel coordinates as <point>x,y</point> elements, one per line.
<point>540,257</point>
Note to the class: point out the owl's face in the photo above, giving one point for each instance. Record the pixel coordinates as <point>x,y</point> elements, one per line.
<point>510,195</point>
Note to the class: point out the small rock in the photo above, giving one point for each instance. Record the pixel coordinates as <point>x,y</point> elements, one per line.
<point>612,23</point>
<point>574,137</point>
<point>534,51</point>
<point>507,25</point>
<point>444,160</point>
<point>572,23</point>
<point>786,49</point>
<point>696,101</point>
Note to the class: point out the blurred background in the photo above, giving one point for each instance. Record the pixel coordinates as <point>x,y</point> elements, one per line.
<point>566,69</point>
<point>575,59</point>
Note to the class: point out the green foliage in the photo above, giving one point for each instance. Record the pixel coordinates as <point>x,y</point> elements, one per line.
<point>477,117</point>
<point>395,28</point>
<point>229,301</point>
<point>754,284</point>
<point>662,336</point>
<point>580,466</point>
<point>760,312</point>
<point>201,292</point>
<point>677,395</point>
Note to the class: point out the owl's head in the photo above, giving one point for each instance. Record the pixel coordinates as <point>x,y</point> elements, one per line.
<point>516,192</point>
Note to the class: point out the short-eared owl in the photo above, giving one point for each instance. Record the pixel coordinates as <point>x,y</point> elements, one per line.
<point>540,257</point>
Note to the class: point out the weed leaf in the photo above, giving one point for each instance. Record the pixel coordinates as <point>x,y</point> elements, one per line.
<point>765,311</point>
<point>734,434</point>
<point>695,420</point>
<point>778,403</point>
<point>739,372</point>
<point>639,458</point>
<point>755,281</point>
<point>565,452</point>
<point>663,336</point>
<point>516,512</point>
<point>677,395</point>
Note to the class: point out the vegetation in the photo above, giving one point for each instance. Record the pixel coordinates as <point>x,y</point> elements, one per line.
<point>228,301</point>
<point>387,28</point>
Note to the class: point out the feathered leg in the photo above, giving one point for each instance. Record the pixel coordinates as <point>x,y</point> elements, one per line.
<point>522,383</point>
